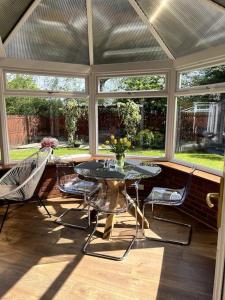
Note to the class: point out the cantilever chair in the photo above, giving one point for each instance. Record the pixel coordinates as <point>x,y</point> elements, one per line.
<point>18,185</point>
<point>69,183</point>
<point>103,205</point>
<point>169,197</point>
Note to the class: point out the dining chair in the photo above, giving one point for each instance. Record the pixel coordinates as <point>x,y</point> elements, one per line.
<point>104,205</point>
<point>70,184</point>
<point>169,197</point>
<point>19,184</point>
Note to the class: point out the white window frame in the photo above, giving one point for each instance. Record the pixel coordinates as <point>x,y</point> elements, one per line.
<point>207,87</point>
<point>44,93</point>
<point>26,93</point>
<point>133,75</point>
<point>194,91</point>
<point>130,95</point>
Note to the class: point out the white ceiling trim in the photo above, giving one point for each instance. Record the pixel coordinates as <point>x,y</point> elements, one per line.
<point>145,19</point>
<point>90,31</point>
<point>23,19</point>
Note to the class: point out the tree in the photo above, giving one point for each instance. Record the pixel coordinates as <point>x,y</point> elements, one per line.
<point>143,83</point>
<point>129,114</point>
<point>72,111</point>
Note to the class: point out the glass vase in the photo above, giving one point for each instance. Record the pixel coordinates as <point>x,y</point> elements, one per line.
<point>120,158</point>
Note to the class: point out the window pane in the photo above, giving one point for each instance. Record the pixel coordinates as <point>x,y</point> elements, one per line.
<point>44,82</point>
<point>143,121</point>
<point>133,83</point>
<point>202,77</point>
<point>201,130</point>
<point>30,119</point>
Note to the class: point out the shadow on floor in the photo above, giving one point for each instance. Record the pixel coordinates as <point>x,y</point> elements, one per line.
<point>30,243</point>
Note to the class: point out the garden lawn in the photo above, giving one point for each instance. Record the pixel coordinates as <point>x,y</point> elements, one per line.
<point>214,161</point>
<point>19,154</point>
<point>209,160</point>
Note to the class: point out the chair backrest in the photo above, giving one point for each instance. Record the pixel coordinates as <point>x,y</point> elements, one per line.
<point>65,174</point>
<point>20,182</point>
<point>187,186</point>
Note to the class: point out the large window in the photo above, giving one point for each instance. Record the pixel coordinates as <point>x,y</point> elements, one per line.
<point>141,120</point>
<point>201,130</point>
<point>33,113</point>
<point>30,119</point>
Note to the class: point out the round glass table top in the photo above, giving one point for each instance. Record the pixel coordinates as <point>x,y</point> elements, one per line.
<point>132,170</point>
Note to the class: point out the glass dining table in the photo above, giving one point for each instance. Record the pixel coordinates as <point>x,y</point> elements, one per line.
<point>117,180</point>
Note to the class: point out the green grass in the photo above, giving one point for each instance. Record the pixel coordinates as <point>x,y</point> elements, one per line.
<point>209,160</point>
<point>214,161</point>
<point>138,152</point>
<point>19,154</point>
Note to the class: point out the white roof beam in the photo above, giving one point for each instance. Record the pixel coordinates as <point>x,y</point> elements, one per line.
<point>22,20</point>
<point>2,49</point>
<point>145,19</point>
<point>90,31</point>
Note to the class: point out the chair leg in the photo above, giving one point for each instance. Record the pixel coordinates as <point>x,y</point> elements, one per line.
<point>41,203</point>
<point>111,257</point>
<point>60,221</point>
<point>4,217</point>
<point>176,242</point>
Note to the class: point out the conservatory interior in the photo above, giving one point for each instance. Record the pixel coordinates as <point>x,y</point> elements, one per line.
<point>88,78</point>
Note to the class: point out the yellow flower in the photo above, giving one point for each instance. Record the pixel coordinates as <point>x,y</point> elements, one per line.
<point>121,141</point>
<point>112,137</point>
<point>128,144</point>
<point>107,142</point>
<point>125,140</point>
<point>115,141</point>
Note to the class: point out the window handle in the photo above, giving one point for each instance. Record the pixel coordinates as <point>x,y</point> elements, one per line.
<point>211,196</point>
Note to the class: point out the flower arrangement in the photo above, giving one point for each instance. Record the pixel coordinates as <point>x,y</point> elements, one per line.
<point>49,142</point>
<point>119,146</point>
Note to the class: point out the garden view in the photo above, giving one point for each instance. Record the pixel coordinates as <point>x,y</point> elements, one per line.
<point>200,119</point>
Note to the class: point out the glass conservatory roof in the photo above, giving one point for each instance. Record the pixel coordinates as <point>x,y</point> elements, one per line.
<point>117,30</point>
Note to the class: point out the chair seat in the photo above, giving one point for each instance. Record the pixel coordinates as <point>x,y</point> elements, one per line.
<point>6,189</point>
<point>165,196</point>
<point>104,205</point>
<point>79,187</point>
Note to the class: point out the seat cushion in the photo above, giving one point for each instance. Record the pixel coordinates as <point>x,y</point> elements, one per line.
<point>79,187</point>
<point>165,196</point>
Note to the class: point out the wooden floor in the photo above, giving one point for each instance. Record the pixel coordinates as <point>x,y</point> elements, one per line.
<point>42,260</point>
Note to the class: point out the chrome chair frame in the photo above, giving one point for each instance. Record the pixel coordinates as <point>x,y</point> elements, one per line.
<point>157,202</point>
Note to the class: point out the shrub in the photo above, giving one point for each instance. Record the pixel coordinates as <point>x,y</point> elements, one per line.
<point>158,141</point>
<point>145,138</point>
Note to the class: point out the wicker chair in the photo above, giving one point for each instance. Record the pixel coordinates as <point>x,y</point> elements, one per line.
<point>70,184</point>
<point>169,197</point>
<point>18,185</point>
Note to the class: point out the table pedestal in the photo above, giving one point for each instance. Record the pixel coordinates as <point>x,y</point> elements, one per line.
<point>115,195</point>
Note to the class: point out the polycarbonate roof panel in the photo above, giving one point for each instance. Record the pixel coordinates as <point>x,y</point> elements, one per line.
<point>120,35</point>
<point>10,13</point>
<point>186,26</point>
<point>56,31</point>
